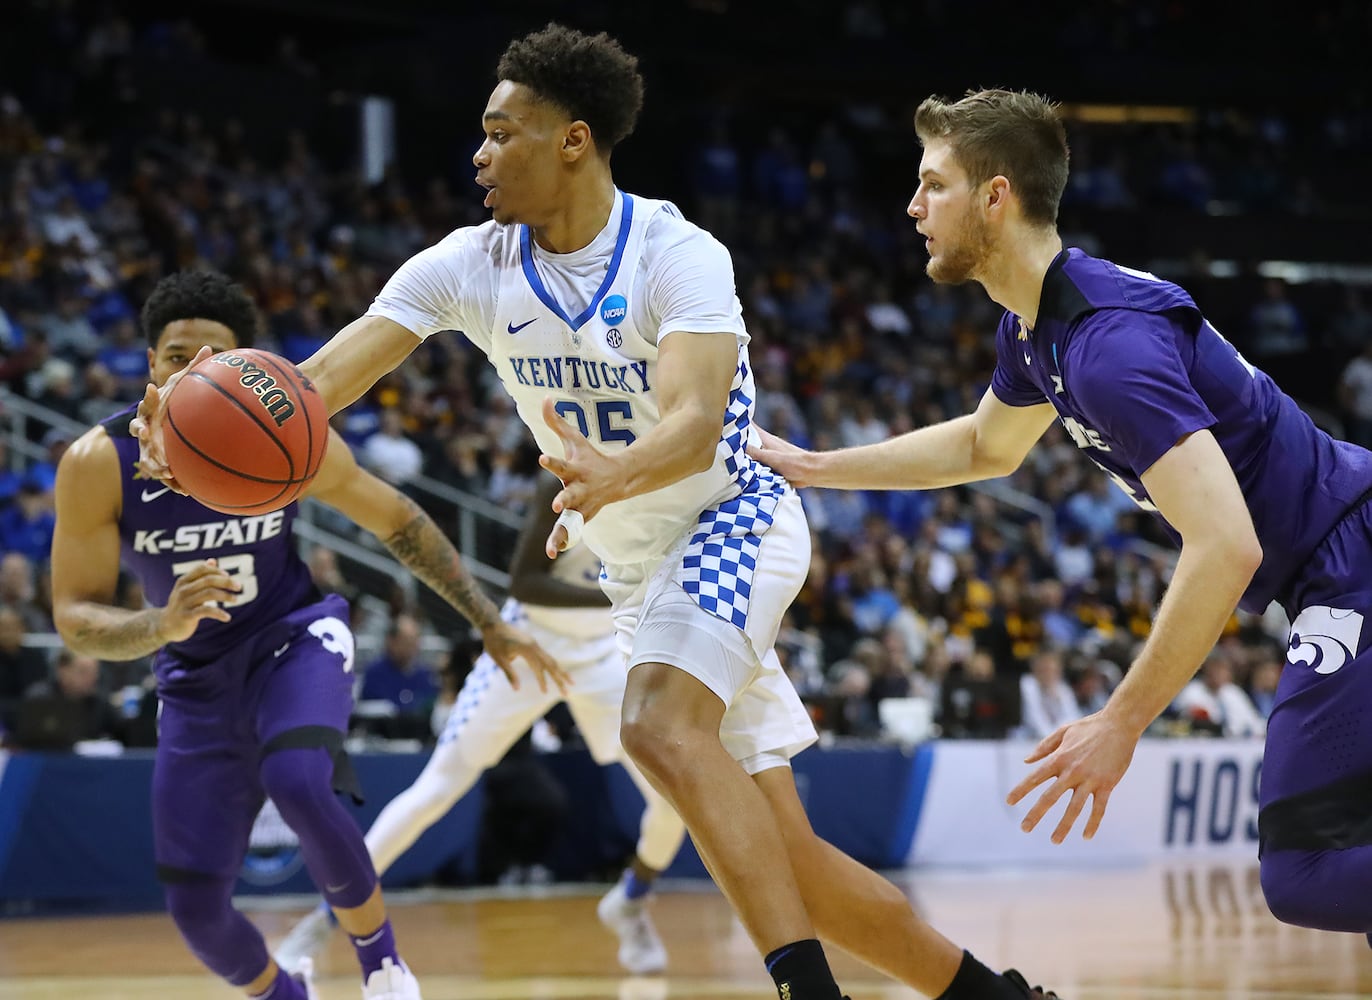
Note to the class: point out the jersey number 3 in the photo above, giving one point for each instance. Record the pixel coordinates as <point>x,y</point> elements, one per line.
<point>240,567</point>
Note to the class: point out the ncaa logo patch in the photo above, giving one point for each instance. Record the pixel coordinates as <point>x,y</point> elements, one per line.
<point>614,338</point>
<point>614,310</point>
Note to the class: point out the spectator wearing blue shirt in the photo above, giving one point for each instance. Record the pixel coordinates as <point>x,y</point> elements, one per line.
<point>399,676</point>
<point>26,525</point>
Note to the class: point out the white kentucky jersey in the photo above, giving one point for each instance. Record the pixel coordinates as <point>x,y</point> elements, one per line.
<point>577,567</point>
<point>584,328</point>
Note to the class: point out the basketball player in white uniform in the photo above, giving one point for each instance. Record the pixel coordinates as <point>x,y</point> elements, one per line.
<point>561,605</point>
<point>613,323</point>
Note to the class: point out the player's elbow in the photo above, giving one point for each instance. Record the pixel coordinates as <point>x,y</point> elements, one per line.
<point>698,454</point>
<point>1236,550</point>
<point>987,464</point>
<point>66,618</point>
<point>1247,553</point>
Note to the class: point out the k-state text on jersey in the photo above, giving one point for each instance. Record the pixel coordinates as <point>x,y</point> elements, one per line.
<point>571,372</point>
<point>210,535</point>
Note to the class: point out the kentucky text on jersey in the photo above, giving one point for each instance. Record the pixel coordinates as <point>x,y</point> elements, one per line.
<point>212,535</point>
<point>568,372</point>
<point>1132,368</point>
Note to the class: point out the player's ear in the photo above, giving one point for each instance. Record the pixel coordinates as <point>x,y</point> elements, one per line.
<point>576,141</point>
<point>997,194</point>
<point>152,356</point>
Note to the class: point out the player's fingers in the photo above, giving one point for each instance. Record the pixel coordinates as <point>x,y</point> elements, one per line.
<point>561,427</point>
<point>148,408</point>
<point>1035,778</point>
<point>211,611</point>
<point>571,497</point>
<point>202,604</point>
<point>560,677</point>
<point>557,466</point>
<point>557,541</point>
<point>208,578</point>
<point>1046,746</point>
<point>769,440</point>
<point>208,570</point>
<point>507,667</point>
<point>1098,802</point>
<point>1046,802</point>
<point>1069,818</point>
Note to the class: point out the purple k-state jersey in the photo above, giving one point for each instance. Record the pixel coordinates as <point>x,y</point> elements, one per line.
<point>162,534</point>
<point>1132,366</point>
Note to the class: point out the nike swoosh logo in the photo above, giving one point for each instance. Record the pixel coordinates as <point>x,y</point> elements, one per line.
<point>147,496</point>
<point>515,329</point>
<point>282,649</point>
<point>1028,359</point>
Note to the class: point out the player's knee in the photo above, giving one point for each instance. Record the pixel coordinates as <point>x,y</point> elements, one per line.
<point>298,781</point>
<point>201,911</point>
<point>197,906</point>
<point>1297,893</point>
<point>658,746</point>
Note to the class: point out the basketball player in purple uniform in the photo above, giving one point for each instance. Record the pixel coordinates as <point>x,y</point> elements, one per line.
<point>1266,506</point>
<point>253,665</point>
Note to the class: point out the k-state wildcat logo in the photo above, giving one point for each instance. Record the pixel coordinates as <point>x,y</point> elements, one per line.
<point>1324,638</point>
<point>275,400</point>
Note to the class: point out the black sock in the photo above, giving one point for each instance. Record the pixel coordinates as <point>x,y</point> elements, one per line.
<point>801,972</point>
<point>975,981</point>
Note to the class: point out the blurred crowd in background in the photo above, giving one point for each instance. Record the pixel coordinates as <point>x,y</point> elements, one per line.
<point>1006,610</point>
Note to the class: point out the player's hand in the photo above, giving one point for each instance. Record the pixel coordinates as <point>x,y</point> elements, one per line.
<point>1088,758</point>
<point>197,595</point>
<point>589,477</point>
<point>508,645</point>
<point>147,425</point>
<point>795,464</point>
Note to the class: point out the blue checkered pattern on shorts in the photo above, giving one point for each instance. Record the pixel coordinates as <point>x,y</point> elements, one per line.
<point>469,699</point>
<point>721,557</point>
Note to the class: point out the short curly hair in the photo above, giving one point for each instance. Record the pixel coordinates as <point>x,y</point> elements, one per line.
<point>199,295</point>
<point>589,76</point>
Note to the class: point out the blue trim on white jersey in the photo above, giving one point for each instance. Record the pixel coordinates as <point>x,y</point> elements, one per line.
<point>526,259</point>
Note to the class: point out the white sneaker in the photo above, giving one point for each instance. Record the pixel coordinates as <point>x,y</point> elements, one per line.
<point>303,972</point>
<point>391,982</point>
<point>306,939</point>
<point>640,949</point>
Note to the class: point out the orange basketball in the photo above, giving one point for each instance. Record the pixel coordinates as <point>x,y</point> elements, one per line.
<point>245,432</point>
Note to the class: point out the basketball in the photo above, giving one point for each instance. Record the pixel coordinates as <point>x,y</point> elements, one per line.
<point>245,432</point>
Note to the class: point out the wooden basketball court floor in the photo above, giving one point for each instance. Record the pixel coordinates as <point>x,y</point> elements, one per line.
<point>1173,932</point>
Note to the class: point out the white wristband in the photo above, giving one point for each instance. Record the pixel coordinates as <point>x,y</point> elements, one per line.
<point>572,522</point>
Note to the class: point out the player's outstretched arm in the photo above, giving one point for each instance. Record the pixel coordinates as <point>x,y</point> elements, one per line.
<point>1194,488</point>
<point>413,538</point>
<point>85,566</point>
<point>986,444</point>
<point>355,357</point>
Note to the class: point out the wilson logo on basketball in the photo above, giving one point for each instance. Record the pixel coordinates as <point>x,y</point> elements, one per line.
<point>274,399</point>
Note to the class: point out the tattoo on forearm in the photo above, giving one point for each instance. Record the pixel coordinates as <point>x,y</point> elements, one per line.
<point>428,553</point>
<point>113,633</point>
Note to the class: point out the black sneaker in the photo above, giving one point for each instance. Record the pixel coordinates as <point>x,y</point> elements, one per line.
<point>1032,992</point>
